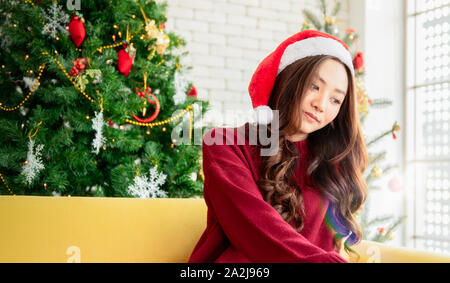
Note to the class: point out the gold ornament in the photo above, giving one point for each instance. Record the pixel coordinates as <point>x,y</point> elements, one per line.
<point>362,97</point>
<point>377,171</point>
<point>150,26</point>
<point>331,20</point>
<point>152,30</point>
<point>305,25</point>
<point>162,43</point>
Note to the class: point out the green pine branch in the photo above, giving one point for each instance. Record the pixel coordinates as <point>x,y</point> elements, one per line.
<point>323,7</point>
<point>337,8</point>
<point>378,138</point>
<point>377,157</point>
<point>313,19</point>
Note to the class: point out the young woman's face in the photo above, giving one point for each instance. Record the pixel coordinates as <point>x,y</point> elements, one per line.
<point>323,98</point>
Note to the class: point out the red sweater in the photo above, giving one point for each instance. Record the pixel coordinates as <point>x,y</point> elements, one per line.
<point>241,226</point>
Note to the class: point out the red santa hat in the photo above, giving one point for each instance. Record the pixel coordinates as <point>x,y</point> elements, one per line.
<point>303,44</point>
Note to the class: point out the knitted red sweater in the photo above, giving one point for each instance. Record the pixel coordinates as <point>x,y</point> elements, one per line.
<point>241,226</point>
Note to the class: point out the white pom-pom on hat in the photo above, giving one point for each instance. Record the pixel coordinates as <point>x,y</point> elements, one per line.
<point>263,115</point>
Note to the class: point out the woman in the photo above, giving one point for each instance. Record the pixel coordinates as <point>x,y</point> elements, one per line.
<point>298,204</point>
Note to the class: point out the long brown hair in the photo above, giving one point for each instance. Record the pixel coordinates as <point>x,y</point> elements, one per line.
<point>338,156</point>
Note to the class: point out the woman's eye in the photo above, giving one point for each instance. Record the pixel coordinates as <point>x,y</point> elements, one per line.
<point>336,101</point>
<point>315,87</point>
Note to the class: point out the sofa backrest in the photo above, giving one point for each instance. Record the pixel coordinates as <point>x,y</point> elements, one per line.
<point>82,229</point>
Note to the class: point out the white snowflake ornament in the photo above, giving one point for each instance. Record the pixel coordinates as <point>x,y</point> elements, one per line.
<point>30,83</point>
<point>97,125</point>
<point>34,164</point>
<point>148,187</point>
<point>56,20</point>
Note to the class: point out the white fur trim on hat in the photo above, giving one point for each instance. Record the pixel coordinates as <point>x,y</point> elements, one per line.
<point>263,115</point>
<point>314,46</point>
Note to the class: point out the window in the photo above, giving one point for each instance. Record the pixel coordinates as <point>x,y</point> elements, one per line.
<point>428,123</point>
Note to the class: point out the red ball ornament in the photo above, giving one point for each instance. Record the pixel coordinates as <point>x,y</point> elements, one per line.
<point>124,62</point>
<point>77,30</point>
<point>358,62</point>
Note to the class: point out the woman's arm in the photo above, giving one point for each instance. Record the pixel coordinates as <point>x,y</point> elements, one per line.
<point>251,224</point>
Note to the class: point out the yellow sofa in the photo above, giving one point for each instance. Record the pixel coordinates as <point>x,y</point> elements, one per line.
<point>78,229</point>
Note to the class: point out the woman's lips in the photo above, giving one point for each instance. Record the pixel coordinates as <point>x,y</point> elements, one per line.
<point>312,117</point>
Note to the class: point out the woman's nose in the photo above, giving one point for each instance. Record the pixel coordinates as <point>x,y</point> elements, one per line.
<point>319,102</point>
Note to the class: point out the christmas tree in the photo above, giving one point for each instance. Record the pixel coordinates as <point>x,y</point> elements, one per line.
<point>92,94</point>
<point>379,229</point>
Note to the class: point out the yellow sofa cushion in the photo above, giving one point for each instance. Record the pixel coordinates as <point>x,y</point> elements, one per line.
<point>79,229</point>
<point>71,229</point>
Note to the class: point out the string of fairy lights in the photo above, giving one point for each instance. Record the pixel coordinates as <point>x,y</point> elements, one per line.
<point>188,109</point>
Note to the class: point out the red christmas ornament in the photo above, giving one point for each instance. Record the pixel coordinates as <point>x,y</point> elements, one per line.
<point>78,66</point>
<point>349,31</point>
<point>193,92</point>
<point>395,184</point>
<point>358,62</point>
<point>124,61</point>
<point>143,94</point>
<point>77,30</point>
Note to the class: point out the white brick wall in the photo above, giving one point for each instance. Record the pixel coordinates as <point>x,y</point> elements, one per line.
<point>227,39</point>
